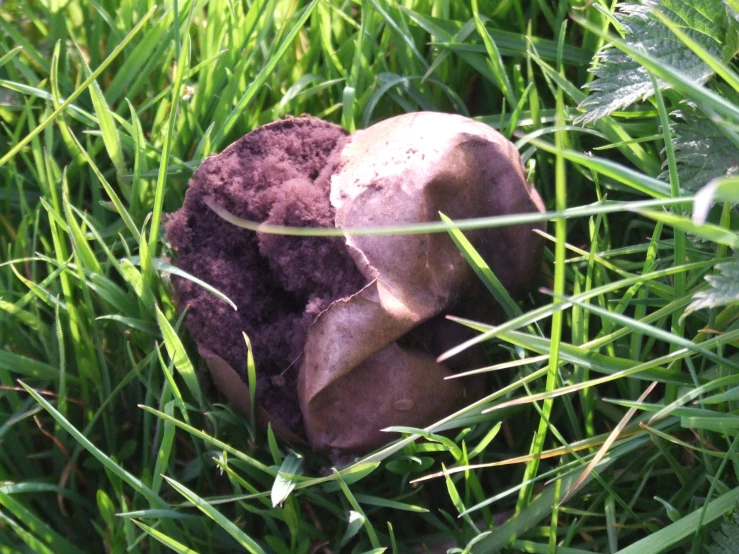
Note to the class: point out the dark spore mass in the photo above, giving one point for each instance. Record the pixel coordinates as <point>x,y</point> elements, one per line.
<point>279,174</point>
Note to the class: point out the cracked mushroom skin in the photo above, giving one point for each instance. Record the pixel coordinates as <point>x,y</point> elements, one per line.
<point>346,331</point>
<point>357,377</point>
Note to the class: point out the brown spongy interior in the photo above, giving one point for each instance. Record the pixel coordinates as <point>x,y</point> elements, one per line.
<point>279,174</point>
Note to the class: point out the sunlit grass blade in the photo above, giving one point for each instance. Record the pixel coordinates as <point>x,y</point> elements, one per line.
<point>213,441</point>
<point>164,266</point>
<point>539,508</point>
<point>107,124</point>
<point>675,532</point>
<point>9,55</point>
<point>167,541</point>
<point>32,542</point>
<point>369,528</point>
<point>483,271</point>
<point>622,174</point>
<point>260,79</point>
<point>183,63</point>
<point>86,83</point>
<point>649,330</point>
<point>494,60</point>
<point>112,194</point>
<point>440,227</point>
<point>708,231</point>
<point>489,332</point>
<point>284,482</point>
<point>251,379</point>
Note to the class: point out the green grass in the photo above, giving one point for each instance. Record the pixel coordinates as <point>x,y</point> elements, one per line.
<point>610,416</point>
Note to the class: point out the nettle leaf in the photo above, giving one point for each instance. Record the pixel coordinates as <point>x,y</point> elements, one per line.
<point>621,81</point>
<point>726,541</point>
<point>723,289</point>
<point>702,149</point>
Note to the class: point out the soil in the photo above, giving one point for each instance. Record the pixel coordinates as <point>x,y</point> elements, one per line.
<point>279,174</point>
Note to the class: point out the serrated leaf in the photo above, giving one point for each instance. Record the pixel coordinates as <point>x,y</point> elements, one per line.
<point>621,80</point>
<point>723,287</point>
<point>726,540</point>
<point>702,149</point>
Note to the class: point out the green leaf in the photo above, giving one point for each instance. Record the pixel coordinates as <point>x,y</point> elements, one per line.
<point>486,440</point>
<point>21,365</point>
<point>358,509</point>
<point>183,63</point>
<point>707,231</point>
<point>453,493</point>
<point>210,440</point>
<point>495,63</point>
<point>82,249</point>
<point>672,512</point>
<point>285,481</point>
<point>539,508</point>
<point>251,374</point>
<point>702,149</point>
<point>35,544</point>
<point>165,450</point>
<point>723,287</point>
<point>161,265</point>
<point>621,80</point>
<point>356,521</point>
<point>385,503</point>
<point>5,58</point>
<point>483,271</point>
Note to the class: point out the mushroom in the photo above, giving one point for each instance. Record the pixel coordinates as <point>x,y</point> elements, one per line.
<point>346,330</point>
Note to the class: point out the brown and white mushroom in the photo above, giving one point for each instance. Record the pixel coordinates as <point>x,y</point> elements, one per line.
<point>346,331</point>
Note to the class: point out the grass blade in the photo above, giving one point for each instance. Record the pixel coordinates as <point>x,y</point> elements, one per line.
<point>86,83</point>
<point>242,538</point>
